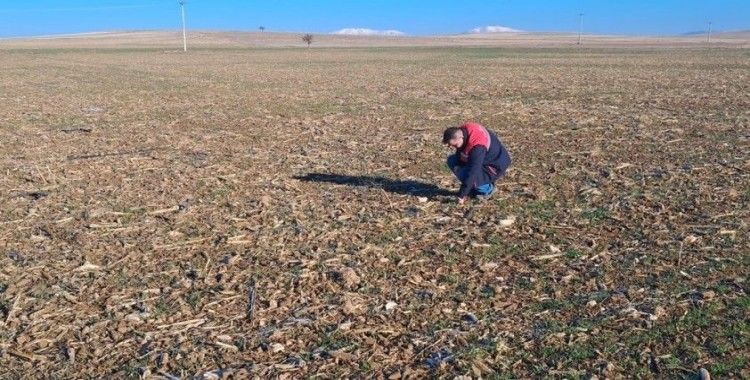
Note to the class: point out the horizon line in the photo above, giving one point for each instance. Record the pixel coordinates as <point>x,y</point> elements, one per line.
<point>332,33</point>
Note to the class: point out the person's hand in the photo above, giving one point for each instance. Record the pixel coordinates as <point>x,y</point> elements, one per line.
<point>461,200</point>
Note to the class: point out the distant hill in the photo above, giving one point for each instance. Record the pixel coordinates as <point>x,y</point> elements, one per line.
<point>737,33</point>
<point>694,33</point>
<point>494,29</point>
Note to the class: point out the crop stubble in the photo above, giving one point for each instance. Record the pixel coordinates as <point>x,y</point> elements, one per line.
<point>279,212</point>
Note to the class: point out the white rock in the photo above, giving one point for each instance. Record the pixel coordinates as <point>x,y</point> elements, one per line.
<point>87,267</point>
<point>690,239</point>
<point>134,318</point>
<point>507,222</point>
<point>489,267</point>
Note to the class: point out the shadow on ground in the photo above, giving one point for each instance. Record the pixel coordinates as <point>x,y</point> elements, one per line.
<point>409,187</point>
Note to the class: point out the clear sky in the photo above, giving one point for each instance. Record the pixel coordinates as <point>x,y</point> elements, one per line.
<point>656,17</point>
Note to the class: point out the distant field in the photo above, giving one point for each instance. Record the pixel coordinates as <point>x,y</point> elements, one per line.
<point>208,39</point>
<point>283,212</point>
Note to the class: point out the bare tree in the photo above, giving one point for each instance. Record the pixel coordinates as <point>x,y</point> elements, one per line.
<point>308,39</point>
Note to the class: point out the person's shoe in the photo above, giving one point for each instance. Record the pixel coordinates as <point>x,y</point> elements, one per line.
<point>487,195</point>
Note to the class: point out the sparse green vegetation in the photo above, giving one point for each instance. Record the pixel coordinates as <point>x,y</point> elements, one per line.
<point>177,236</point>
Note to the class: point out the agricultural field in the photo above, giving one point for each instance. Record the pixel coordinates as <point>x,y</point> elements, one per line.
<point>287,213</point>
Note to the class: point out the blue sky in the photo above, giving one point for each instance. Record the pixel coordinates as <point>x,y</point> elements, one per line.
<point>665,17</point>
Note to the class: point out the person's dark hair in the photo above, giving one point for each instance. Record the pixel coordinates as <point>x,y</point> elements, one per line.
<point>449,133</point>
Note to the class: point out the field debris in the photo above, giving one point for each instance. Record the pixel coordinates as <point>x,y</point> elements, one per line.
<point>88,267</point>
<point>284,213</point>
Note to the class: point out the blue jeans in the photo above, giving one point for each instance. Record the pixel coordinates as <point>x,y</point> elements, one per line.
<point>462,173</point>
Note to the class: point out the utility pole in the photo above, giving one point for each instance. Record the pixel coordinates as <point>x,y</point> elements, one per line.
<point>580,27</point>
<point>709,33</point>
<point>184,32</point>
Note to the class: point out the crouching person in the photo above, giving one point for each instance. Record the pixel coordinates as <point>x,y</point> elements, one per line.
<point>479,161</point>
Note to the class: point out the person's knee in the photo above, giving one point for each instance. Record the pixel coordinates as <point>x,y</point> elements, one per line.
<point>452,161</point>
